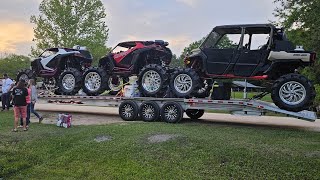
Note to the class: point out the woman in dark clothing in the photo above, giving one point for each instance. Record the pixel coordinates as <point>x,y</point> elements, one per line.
<point>19,94</point>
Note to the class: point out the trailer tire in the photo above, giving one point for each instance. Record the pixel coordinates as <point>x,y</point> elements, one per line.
<point>171,112</point>
<point>194,113</point>
<point>129,110</point>
<point>149,111</point>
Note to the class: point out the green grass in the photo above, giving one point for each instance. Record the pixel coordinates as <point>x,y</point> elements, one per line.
<point>239,95</point>
<point>202,151</point>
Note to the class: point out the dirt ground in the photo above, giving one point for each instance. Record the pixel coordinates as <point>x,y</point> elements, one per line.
<point>94,115</point>
<point>80,119</point>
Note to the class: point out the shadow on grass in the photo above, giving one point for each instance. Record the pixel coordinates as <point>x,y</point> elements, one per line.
<point>244,124</point>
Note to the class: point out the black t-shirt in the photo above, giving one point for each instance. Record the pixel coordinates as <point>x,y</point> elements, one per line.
<point>19,96</point>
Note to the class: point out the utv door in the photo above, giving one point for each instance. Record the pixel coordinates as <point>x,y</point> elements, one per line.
<point>248,61</point>
<point>218,60</point>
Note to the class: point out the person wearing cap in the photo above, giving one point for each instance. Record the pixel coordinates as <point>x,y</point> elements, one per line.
<point>7,85</point>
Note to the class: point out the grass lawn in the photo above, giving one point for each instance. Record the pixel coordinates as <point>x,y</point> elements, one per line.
<point>239,95</point>
<point>201,151</point>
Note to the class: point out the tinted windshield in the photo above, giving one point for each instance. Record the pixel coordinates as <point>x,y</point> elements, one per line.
<point>48,53</point>
<point>211,40</point>
<point>86,54</point>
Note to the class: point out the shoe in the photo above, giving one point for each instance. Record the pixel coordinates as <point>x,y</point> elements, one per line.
<point>40,119</point>
<point>27,126</point>
<point>26,129</point>
<point>14,130</point>
<point>20,126</point>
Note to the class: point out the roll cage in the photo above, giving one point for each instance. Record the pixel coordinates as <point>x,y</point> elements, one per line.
<point>218,32</point>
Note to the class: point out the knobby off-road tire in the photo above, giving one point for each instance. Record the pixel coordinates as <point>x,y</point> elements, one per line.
<point>293,92</point>
<point>153,81</point>
<point>25,74</point>
<point>69,81</point>
<point>184,82</point>
<point>115,87</point>
<point>204,89</point>
<point>95,81</point>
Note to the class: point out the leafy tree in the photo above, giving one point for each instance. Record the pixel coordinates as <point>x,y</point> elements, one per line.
<point>11,64</point>
<point>65,23</point>
<point>302,22</point>
<point>176,62</point>
<point>224,42</point>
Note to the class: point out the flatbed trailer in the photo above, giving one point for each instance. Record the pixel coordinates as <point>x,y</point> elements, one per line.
<point>172,109</point>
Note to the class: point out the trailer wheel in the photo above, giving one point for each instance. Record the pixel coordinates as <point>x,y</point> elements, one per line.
<point>171,112</point>
<point>194,113</point>
<point>129,110</point>
<point>149,111</point>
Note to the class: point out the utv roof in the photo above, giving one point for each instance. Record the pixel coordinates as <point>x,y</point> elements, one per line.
<point>129,44</point>
<point>248,26</point>
<point>251,28</point>
<point>67,49</point>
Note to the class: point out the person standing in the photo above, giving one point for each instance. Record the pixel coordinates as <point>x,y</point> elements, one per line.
<point>7,85</point>
<point>19,94</point>
<point>34,99</point>
<point>28,100</point>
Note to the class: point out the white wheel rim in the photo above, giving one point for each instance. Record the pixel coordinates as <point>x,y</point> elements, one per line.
<point>92,81</point>
<point>148,111</point>
<point>183,83</point>
<point>68,82</point>
<point>127,111</point>
<point>204,88</point>
<point>115,87</point>
<point>292,93</point>
<point>151,81</point>
<point>171,112</point>
<point>24,77</point>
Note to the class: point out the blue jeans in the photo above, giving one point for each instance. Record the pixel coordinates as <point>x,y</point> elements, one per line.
<point>5,98</point>
<point>33,111</point>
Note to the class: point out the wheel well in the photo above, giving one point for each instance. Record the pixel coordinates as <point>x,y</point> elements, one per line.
<point>278,69</point>
<point>195,63</point>
<point>143,58</point>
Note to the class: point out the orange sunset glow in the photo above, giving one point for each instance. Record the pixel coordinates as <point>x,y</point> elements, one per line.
<point>13,34</point>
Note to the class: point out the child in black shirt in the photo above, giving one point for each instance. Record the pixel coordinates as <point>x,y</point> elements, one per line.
<point>19,94</point>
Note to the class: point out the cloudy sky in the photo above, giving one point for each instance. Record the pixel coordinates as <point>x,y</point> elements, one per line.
<point>179,22</point>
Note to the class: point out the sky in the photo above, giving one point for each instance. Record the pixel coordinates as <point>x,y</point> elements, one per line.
<point>179,22</point>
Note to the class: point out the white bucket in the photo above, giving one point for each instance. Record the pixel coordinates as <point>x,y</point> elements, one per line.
<point>132,89</point>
